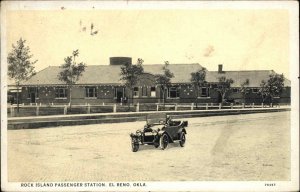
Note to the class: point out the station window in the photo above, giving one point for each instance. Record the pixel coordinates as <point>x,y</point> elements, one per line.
<point>90,92</point>
<point>235,90</point>
<point>173,92</point>
<point>135,91</point>
<point>255,90</point>
<point>204,92</point>
<point>153,92</point>
<point>33,90</point>
<point>60,92</point>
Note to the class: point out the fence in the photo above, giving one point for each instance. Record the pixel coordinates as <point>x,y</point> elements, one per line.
<point>40,110</point>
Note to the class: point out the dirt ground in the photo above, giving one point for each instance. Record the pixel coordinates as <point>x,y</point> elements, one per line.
<point>242,147</point>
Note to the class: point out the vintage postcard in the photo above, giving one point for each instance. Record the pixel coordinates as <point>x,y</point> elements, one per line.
<point>149,96</point>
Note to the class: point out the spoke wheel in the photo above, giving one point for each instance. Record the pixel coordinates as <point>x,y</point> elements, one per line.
<point>134,146</point>
<point>164,141</point>
<point>182,139</point>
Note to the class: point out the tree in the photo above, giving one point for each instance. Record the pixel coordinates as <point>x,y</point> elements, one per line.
<point>130,75</point>
<point>263,91</point>
<point>244,89</point>
<point>272,87</point>
<point>224,86</point>
<point>20,66</point>
<point>70,72</point>
<point>164,80</point>
<point>198,80</point>
<point>275,84</point>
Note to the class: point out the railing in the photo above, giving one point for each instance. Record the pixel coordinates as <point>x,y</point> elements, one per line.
<point>56,109</point>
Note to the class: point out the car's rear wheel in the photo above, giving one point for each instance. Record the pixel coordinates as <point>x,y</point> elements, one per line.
<point>164,141</point>
<point>134,146</point>
<point>182,139</point>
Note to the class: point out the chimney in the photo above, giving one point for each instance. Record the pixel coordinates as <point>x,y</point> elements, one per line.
<point>220,69</point>
<point>120,60</point>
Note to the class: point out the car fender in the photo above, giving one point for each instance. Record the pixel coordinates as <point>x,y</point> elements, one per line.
<point>182,130</point>
<point>160,133</point>
<point>185,123</point>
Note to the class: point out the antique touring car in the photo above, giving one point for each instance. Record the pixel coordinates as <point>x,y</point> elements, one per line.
<point>160,130</point>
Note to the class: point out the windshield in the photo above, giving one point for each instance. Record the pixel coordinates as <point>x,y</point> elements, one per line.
<point>158,118</point>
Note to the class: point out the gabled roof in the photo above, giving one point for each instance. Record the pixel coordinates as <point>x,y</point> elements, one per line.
<point>110,74</point>
<point>255,77</point>
<point>182,72</point>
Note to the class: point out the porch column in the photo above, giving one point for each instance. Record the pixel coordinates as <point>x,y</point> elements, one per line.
<point>37,110</point>
<point>12,111</point>
<point>65,109</point>
<point>115,108</point>
<point>137,107</point>
<point>88,108</point>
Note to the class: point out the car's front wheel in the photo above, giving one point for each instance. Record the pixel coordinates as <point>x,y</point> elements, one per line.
<point>164,141</point>
<point>182,139</point>
<point>134,146</point>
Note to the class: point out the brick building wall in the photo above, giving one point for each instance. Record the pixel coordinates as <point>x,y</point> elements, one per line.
<point>145,91</point>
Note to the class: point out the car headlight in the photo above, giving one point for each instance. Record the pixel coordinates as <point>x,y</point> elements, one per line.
<point>138,132</point>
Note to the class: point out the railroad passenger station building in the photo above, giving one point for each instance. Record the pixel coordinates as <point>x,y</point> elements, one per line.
<point>101,84</point>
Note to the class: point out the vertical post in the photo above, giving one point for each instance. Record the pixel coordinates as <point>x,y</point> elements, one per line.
<point>12,111</point>
<point>65,109</point>
<point>40,104</point>
<point>115,108</point>
<point>262,105</point>
<point>252,105</point>
<point>176,107</point>
<point>89,108</point>
<point>243,105</point>
<point>220,105</point>
<point>30,104</point>
<point>206,106</point>
<point>37,110</point>
<point>103,103</point>
<point>157,107</point>
<point>271,104</point>
<point>137,107</point>
<point>231,105</point>
<point>192,106</point>
<point>18,98</point>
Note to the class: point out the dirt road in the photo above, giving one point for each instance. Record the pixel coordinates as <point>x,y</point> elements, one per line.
<point>241,147</point>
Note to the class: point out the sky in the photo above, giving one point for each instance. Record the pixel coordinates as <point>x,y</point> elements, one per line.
<point>246,39</point>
